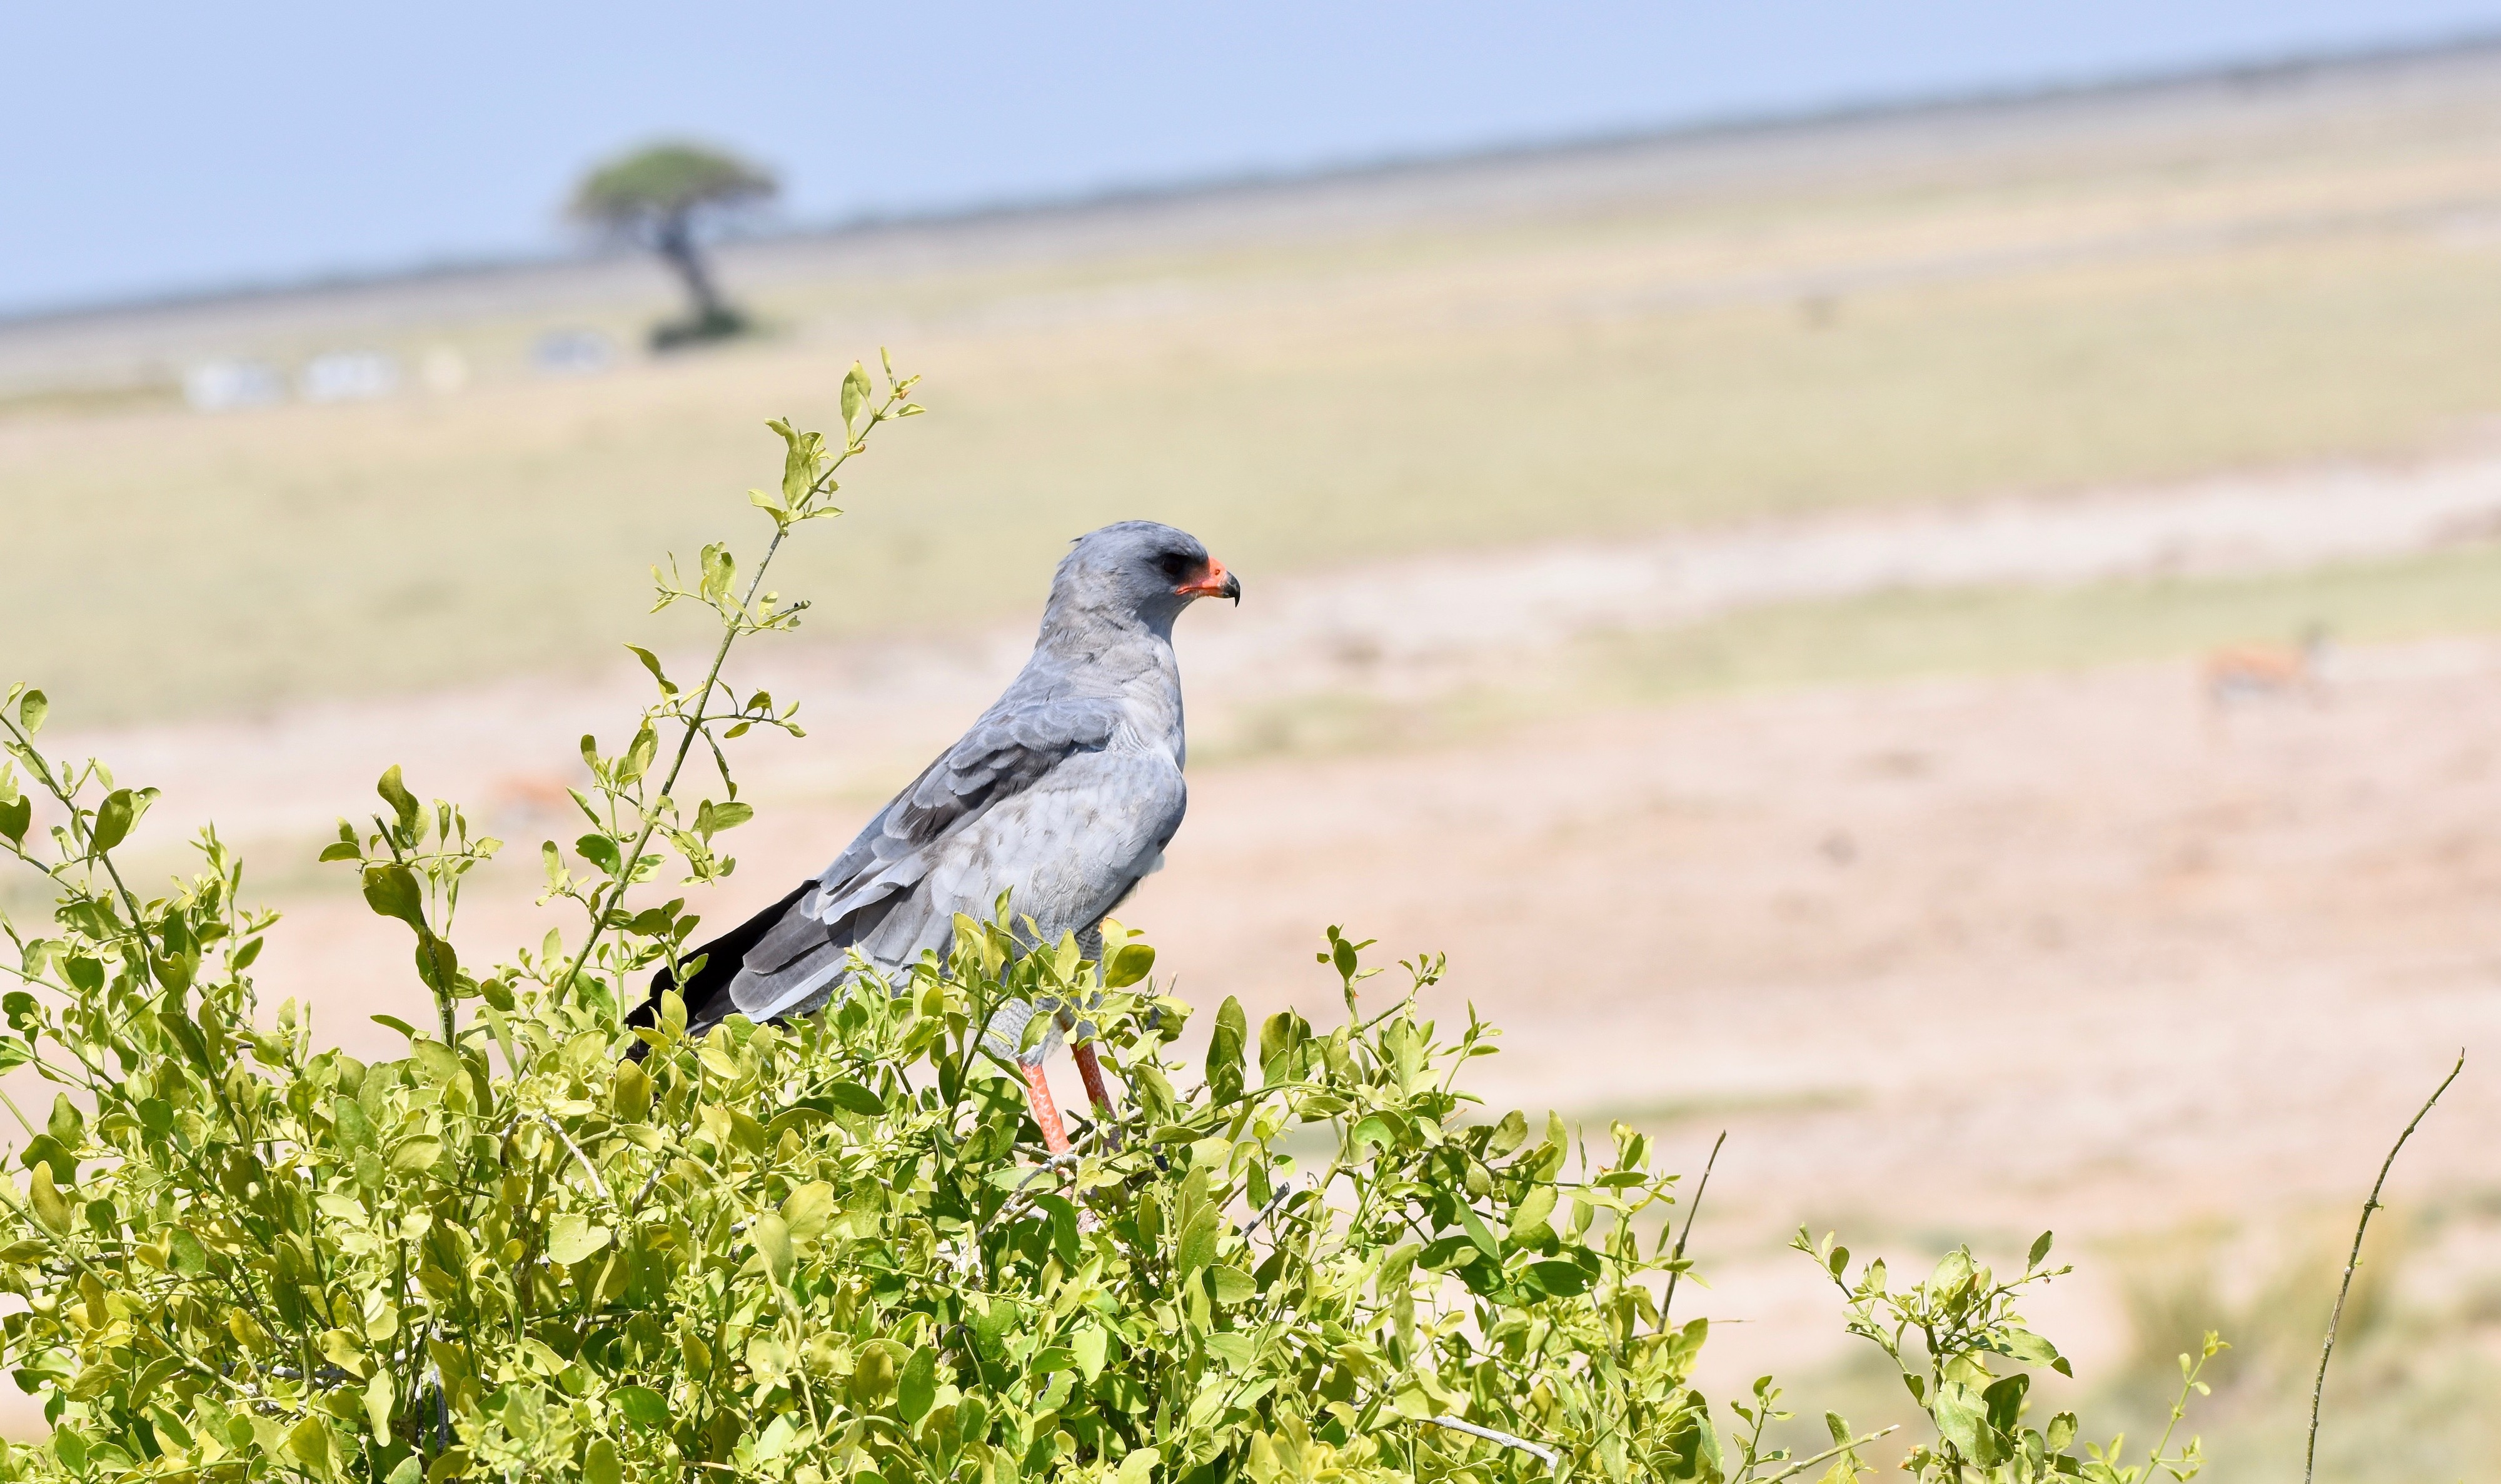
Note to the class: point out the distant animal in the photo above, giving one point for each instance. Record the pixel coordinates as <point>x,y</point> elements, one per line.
<point>531,798</point>
<point>1063,794</point>
<point>2239,672</point>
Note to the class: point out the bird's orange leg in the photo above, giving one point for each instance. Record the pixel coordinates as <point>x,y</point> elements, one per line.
<point>1091,1068</point>
<point>1046,1111</point>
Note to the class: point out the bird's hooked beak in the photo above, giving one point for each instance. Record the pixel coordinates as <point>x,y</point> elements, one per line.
<point>1215,583</point>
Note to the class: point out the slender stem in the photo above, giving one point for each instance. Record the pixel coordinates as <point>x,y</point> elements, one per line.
<point>79,835</point>
<point>1668,1301</point>
<point>616,893</point>
<point>1458,1425</point>
<point>2178,1410</point>
<point>589,1168</point>
<point>1804,1464</point>
<point>2354,1260</point>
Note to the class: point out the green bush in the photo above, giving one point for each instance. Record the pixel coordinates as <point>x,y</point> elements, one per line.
<point>833,1248</point>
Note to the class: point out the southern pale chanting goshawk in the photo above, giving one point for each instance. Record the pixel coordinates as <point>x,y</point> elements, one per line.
<point>1063,795</point>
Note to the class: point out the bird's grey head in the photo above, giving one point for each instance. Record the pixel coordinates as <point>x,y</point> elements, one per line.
<point>1136,571</point>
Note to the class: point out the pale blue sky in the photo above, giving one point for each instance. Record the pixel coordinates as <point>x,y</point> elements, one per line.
<point>156,147</point>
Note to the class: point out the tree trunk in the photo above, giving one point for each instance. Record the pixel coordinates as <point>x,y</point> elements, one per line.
<point>677,244</point>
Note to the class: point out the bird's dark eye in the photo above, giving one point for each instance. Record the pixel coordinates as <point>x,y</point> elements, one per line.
<point>1173,566</point>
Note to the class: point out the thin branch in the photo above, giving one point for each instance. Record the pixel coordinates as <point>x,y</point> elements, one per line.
<point>596,1183</point>
<point>1837,1449</point>
<point>1285,1194</point>
<point>2354,1260</point>
<point>645,1194</point>
<point>1668,1302</point>
<point>1457,1425</point>
<point>615,894</point>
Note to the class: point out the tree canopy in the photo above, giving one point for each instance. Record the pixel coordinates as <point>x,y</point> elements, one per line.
<point>654,196</point>
<point>664,180</point>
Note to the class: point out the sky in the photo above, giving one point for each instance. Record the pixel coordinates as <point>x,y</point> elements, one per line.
<point>156,149</point>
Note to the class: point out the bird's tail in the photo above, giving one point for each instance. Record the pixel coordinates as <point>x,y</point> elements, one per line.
<point>706,990</point>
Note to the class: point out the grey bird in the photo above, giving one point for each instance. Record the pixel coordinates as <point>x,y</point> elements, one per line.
<point>1063,794</point>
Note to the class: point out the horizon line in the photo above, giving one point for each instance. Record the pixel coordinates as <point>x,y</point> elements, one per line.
<point>2283,65</point>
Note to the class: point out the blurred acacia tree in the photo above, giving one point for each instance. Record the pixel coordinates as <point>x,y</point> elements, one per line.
<point>661,196</point>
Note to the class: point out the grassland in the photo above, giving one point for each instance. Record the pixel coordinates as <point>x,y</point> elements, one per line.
<point>1972,306</point>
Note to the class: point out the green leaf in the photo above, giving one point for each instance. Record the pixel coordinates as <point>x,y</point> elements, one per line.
<point>1559,1278</point>
<point>1056,1357</point>
<point>1478,1231</point>
<point>851,1097</point>
<point>808,1209</point>
<point>600,851</point>
<point>1131,964</point>
<point>1231,1285</point>
<point>651,663</point>
<point>378,1402</point>
<point>416,1155</point>
<point>599,1465</point>
<point>1962,1419</point>
<point>1197,1247</point>
<point>1088,1347</point>
<point>778,1436</point>
<point>641,1406</point>
<point>32,709</point>
<point>639,753</point>
<point>2005,1401</point>
<point>113,820</point>
<point>436,964</point>
<point>803,458</point>
<point>2026,1346</point>
<point>14,815</point>
<point>772,1236</point>
<point>918,1385</point>
<point>46,1198</point>
<point>2040,1250</point>
<point>857,395</point>
<point>309,1443</point>
<point>391,891</point>
<point>572,1237</point>
<point>1374,1128</point>
<point>66,1124</point>
<point>1530,1216</point>
<point>395,793</point>
<point>1224,1051</point>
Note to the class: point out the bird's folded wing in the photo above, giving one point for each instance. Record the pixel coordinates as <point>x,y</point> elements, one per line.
<point>1011,749</point>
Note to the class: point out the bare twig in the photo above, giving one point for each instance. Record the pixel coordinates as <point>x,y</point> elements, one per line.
<point>649,1186</point>
<point>1270,1209</point>
<point>1668,1302</point>
<point>596,1183</point>
<point>1457,1425</point>
<point>1835,1451</point>
<point>2354,1260</point>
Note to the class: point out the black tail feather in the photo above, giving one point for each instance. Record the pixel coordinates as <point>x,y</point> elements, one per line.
<point>706,993</point>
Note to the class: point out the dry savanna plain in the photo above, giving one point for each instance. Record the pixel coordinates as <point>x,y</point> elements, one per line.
<point>1750,597</point>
